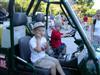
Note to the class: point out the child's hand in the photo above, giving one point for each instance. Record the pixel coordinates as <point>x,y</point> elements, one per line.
<point>44,49</point>
<point>38,36</point>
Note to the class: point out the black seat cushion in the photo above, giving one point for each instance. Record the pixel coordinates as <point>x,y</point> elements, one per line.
<point>24,48</point>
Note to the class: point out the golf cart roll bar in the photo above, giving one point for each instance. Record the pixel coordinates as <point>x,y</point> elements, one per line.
<point>29,7</point>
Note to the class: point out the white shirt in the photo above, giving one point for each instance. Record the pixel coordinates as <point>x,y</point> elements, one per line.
<point>97,28</point>
<point>37,55</point>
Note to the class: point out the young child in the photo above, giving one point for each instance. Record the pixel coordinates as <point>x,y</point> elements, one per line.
<point>56,43</point>
<point>38,45</point>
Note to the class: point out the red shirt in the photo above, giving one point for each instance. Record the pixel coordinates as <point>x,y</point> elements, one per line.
<point>85,18</point>
<point>55,39</point>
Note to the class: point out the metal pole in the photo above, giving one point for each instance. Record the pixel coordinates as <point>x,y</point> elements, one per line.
<point>30,6</point>
<point>11,62</point>
<point>67,16</point>
<point>47,11</point>
<point>36,7</point>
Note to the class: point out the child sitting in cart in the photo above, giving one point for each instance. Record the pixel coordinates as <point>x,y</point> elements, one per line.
<point>57,45</point>
<point>38,45</point>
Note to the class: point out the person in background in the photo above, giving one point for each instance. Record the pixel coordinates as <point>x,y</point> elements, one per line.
<point>96,28</point>
<point>38,46</point>
<point>58,19</point>
<point>85,20</point>
<point>63,19</point>
<point>52,21</point>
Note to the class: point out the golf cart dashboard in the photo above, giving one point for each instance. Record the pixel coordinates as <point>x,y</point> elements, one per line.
<point>82,55</point>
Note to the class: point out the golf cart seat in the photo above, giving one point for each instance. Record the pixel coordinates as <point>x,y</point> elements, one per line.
<point>39,17</point>
<point>25,55</point>
<point>23,63</point>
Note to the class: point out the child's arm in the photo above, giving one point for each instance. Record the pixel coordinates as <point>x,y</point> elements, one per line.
<point>47,45</point>
<point>38,47</point>
<point>66,35</point>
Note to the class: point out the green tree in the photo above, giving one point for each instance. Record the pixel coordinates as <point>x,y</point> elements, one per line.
<point>21,5</point>
<point>53,8</point>
<point>84,7</point>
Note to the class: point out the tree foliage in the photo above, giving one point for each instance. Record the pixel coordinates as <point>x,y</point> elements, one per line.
<point>21,5</point>
<point>52,9</point>
<point>84,7</point>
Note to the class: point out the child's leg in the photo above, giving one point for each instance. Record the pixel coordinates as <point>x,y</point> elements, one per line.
<point>45,63</point>
<point>56,52</point>
<point>63,48</point>
<point>58,66</point>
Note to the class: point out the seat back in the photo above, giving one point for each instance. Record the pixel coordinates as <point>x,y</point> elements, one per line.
<point>19,19</point>
<point>39,17</point>
<point>24,48</point>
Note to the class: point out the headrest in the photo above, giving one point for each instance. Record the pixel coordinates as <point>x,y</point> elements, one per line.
<point>19,19</point>
<point>39,17</point>
<point>45,0</point>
